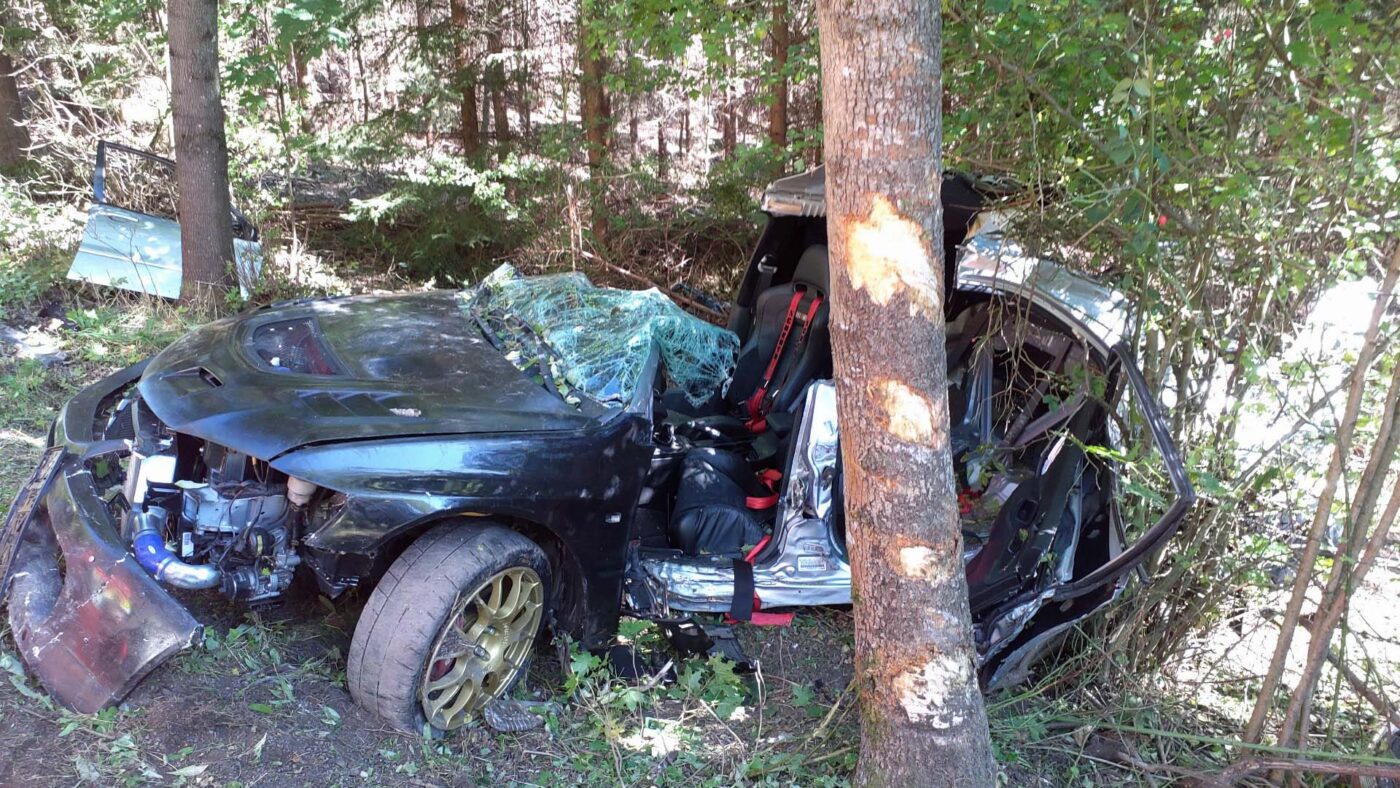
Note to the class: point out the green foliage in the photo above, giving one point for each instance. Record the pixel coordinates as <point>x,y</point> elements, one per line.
<point>39,242</point>
<point>452,211</point>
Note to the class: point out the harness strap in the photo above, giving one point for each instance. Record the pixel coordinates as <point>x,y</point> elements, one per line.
<point>745,604</point>
<point>755,403</point>
<point>768,478</point>
<point>761,401</point>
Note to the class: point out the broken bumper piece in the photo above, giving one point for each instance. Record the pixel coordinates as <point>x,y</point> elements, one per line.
<point>88,620</point>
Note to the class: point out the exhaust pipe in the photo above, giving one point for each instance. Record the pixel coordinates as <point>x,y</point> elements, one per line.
<point>156,558</point>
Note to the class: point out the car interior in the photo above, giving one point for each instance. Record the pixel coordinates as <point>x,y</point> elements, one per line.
<point>1026,399</point>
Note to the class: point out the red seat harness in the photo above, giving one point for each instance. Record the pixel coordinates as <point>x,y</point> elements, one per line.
<point>758,404</point>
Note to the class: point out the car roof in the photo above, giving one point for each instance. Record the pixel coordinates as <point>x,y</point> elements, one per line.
<point>990,261</point>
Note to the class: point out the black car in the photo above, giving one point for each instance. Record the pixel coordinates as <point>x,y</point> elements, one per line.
<point>441,451</point>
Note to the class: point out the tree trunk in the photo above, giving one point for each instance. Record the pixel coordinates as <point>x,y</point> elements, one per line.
<point>778,110</point>
<point>923,722</point>
<point>471,134</point>
<point>201,153</point>
<point>595,117</point>
<point>1342,580</point>
<point>498,80</point>
<point>298,64</point>
<point>485,104</point>
<point>14,137</point>
<point>523,75</point>
<point>685,125</point>
<point>661,150</point>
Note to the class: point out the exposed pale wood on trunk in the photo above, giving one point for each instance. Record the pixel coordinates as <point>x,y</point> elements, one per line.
<point>201,152</point>
<point>923,721</point>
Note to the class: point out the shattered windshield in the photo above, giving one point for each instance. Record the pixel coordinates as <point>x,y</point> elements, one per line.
<point>586,341</point>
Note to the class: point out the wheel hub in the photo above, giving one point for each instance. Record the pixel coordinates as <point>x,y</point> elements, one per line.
<point>483,646</point>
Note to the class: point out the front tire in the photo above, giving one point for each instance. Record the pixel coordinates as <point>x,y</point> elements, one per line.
<point>450,627</point>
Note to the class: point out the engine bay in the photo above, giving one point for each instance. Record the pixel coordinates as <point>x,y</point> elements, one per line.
<point>199,515</point>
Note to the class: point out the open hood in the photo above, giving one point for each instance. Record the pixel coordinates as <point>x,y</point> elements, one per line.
<point>337,369</point>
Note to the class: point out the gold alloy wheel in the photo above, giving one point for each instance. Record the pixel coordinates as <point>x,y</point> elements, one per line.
<point>483,646</point>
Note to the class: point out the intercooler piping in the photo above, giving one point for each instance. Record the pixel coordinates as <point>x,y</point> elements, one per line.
<point>157,559</point>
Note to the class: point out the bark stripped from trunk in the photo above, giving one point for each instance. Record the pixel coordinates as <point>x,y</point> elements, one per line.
<point>201,153</point>
<point>471,135</point>
<point>923,722</point>
<point>14,137</point>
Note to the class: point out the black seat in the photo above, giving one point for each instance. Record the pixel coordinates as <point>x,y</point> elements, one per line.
<point>788,345</point>
<point>720,505</point>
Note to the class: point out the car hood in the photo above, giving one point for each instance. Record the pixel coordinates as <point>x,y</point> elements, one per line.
<point>400,365</point>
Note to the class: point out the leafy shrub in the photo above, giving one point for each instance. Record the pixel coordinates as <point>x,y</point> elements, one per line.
<point>447,220</point>
<point>39,239</point>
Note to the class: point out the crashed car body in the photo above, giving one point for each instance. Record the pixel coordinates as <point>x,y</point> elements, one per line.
<point>395,443</point>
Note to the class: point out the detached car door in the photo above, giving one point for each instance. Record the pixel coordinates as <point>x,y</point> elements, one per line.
<point>132,237</point>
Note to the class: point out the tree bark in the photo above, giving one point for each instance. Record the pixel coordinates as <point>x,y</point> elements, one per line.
<point>14,137</point>
<point>595,117</point>
<point>201,152</point>
<point>471,134</point>
<point>923,721</point>
<point>523,75</point>
<point>778,110</point>
<point>497,77</point>
<point>685,125</point>
<point>661,150</point>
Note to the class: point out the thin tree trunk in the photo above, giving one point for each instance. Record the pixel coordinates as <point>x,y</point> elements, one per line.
<point>685,126</point>
<point>364,80</point>
<point>1342,581</point>
<point>201,152</point>
<point>661,150</point>
<point>778,110</point>
<point>1346,426</point>
<point>728,131</point>
<point>298,64</point>
<point>923,722</point>
<point>485,104</point>
<point>595,117</point>
<point>471,134</point>
<point>497,79</point>
<point>523,75</point>
<point>14,137</point>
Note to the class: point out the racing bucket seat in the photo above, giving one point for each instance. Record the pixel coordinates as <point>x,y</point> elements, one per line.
<point>787,346</point>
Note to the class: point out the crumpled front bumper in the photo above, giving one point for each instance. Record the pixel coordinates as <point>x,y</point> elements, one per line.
<point>88,620</point>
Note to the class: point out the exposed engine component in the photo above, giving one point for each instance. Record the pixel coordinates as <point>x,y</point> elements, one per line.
<point>151,553</point>
<point>233,530</point>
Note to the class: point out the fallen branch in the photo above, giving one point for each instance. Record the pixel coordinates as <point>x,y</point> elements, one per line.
<point>691,304</point>
<point>1249,765</point>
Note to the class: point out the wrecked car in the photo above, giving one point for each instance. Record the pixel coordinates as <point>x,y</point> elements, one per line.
<point>537,455</point>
